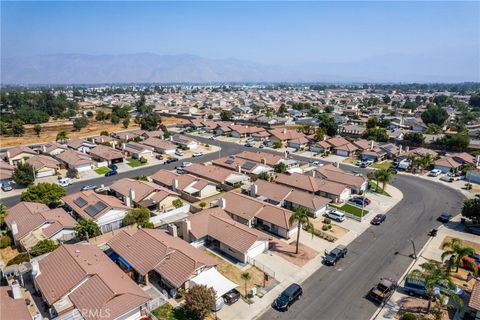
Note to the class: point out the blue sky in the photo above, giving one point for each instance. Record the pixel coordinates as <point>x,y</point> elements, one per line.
<point>285,33</point>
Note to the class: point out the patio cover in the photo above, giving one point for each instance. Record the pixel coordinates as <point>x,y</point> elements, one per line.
<point>214,279</point>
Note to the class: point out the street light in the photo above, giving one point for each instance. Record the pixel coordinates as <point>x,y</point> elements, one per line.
<point>414,250</point>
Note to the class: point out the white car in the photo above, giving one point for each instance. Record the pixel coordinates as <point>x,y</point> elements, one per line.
<point>64,182</point>
<point>179,153</point>
<point>197,154</point>
<point>186,164</point>
<point>335,215</point>
<point>434,172</point>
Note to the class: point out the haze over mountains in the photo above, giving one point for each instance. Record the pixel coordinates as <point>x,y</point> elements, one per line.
<point>148,67</point>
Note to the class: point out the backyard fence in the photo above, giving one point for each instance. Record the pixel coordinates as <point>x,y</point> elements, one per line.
<point>349,215</point>
<point>261,267</point>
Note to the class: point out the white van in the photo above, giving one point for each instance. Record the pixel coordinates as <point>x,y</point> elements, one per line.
<point>65,182</point>
<point>335,215</point>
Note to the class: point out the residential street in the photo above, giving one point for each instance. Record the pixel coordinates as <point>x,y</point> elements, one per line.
<point>339,292</point>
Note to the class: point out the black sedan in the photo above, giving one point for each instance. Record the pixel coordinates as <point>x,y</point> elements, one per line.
<point>445,217</point>
<point>231,296</point>
<point>378,219</point>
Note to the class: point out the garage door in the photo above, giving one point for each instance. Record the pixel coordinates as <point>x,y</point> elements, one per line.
<point>84,168</point>
<point>47,173</point>
<point>342,153</point>
<point>255,251</point>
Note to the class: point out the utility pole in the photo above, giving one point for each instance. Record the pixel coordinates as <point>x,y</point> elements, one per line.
<point>414,250</point>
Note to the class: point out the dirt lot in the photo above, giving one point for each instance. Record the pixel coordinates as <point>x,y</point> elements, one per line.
<point>8,254</point>
<point>418,307</point>
<point>50,130</point>
<point>287,251</point>
<point>335,231</point>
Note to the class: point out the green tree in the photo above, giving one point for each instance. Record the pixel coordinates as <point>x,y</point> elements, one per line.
<point>300,215</point>
<point>457,140</point>
<point>384,176</point>
<point>456,251</point>
<point>328,124</point>
<point>87,229</point>
<point>202,204</point>
<point>141,178</point>
<point>150,122</point>
<point>199,302</point>
<point>62,136</point>
<point>246,277</point>
<point>434,114</point>
<point>471,209</point>
<point>474,101</point>
<point>115,119</point>
<point>140,216</point>
<point>126,122</point>
<point>37,128</point>
<point>372,123</point>
<point>277,144</point>
<point>17,127</point>
<point>42,247</point>
<point>319,135</point>
<point>80,123</point>
<point>104,133</point>
<point>210,117</point>
<point>264,176</point>
<point>177,203</point>
<point>46,193</point>
<point>280,167</point>
<point>433,128</point>
<point>376,134</point>
<point>3,213</point>
<point>226,115</point>
<point>101,116</point>
<point>282,110</point>
<point>24,174</point>
<point>166,135</point>
<point>328,109</point>
<point>415,138</point>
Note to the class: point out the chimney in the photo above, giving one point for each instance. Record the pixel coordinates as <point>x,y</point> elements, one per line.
<point>337,164</point>
<point>44,148</point>
<point>407,148</point>
<point>253,190</point>
<point>126,137</point>
<point>128,201</point>
<point>16,291</point>
<point>239,169</point>
<point>174,184</point>
<point>131,193</point>
<point>371,145</point>
<point>101,140</point>
<point>284,130</point>
<point>314,173</point>
<point>400,150</point>
<point>263,161</point>
<point>171,138</point>
<point>222,203</point>
<point>8,157</point>
<point>172,230</point>
<point>35,268</point>
<point>186,228</point>
<point>123,146</point>
<point>478,160</point>
<point>14,228</point>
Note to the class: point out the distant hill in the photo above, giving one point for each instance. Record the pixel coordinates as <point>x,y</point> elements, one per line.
<point>147,67</point>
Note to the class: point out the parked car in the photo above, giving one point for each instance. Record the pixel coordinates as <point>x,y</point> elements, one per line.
<point>335,255</point>
<point>359,201</point>
<point>366,163</point>
<point>335,215</point>
<point>180,170</point>
<point>316,163</point>
<point>179,153</point>
<point>197,154</point>
<point>469,261</point>
<point>445,217</point>
<point>378,219</point>
<point>248,144</point>
<point>261,146</point>
<point>434,172</point>
<point>415,287</point>
<point>88,187</point>
<point>231,296</point>
<point>111,173</point>
<point>171,160</point>
<point>7,186</point>
<point>113,167</point>
<point>383,290</point>
<point>213,138</point>
<point>64,182</point>
<point>447,179</point>
<point>288,297</point>
<point>159,157</point>
<point>186,164</point>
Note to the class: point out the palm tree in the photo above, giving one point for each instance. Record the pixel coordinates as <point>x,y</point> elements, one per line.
<point>384,176</point>
<point>300,215</point>
<point>62,136</point>
<point>3,213</point>
<point>457,251</point>
<point>425,161</point>
<point>246,277</point>
<point>435,275</point>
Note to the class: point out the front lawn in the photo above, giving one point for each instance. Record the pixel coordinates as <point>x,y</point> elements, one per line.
<point>356,211</point>
<point>167,312</point>
<point>378,189</point>
<point>102,170</point>
<point>134,163</point>
<point>382,165</point>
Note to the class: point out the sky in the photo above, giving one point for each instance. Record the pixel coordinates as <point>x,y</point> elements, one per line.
<point>284,33</point>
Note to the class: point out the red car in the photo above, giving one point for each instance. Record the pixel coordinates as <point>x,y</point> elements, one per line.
<point>468,261</point>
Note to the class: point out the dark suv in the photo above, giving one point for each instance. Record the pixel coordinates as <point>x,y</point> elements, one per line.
<point>336,254</point>
<point>288,297</point>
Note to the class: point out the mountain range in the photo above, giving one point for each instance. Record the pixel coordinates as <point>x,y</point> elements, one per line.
<point>186,68</point>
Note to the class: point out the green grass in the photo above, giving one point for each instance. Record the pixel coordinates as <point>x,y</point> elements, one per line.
<point>382,165</point>
<point>167,312</point>
<point>134,163</point>
<point>378,189</point>
<point>102,170</point>
<point>356,211</point>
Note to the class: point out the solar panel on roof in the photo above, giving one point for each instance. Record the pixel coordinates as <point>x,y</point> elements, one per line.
<point>91,211</point>
<point>134,146</point>
<point>229,161</point>
<point>248,165</point>
<point>80,202</point>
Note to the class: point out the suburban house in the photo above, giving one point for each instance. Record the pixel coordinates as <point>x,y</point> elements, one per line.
<point>224,178</point>
<point>473,176</point>
<point>320,147</point>
<point>137,150</point>
<point>81,145</point>
<point>53,148</point>
<point>79,281</point>
<point>239,131</point>
<point>107,211</point>
<point>284,135</point>
<point>184,142</point>
<point>447,164</point>
<point>352,130</point>
<point>342,147</point>
<point>329,172</point>
<point>32,222</point>
<point>338,192</point>
<point>473,306</point>
<point>6,171</point>
<point>242,166</point>
<point>286,197</point>
<point>76,160</point>
<point>190,187</point>
<point>152,256</point>
<point>268,159</point>
<point>299,143</point>
<point>161,146</point>
<point>214,227</point>
<point>111,141</point>
<point>150,134</point>
<point>45,166</point>
<point>256,213</point>
<point>144,194</point>
<point>125,136</point>
<point>17,155</point>
<point>13,304</point>
<point>106,155</point>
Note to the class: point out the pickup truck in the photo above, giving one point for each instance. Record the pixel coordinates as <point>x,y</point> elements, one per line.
<point>335,255</point>
<point>383,291</point>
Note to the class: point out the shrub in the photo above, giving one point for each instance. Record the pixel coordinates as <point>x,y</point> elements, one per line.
<point>72,173</point>
<point>5,241</point>
<point>177,203</point>
<point>327,221</point>
<point>143,160</point>
<point>408,316</point>
<point>203,204</point>
<point>43,247</point>
<point>325,227</point>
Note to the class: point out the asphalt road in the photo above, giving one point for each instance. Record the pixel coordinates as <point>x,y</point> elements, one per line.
<point>339,292</point>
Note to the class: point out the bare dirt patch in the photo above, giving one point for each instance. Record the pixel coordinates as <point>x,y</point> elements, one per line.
<point>336,230</point>
<point>7,254</point>
<point>287,252</point>
<point>418,307</point>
